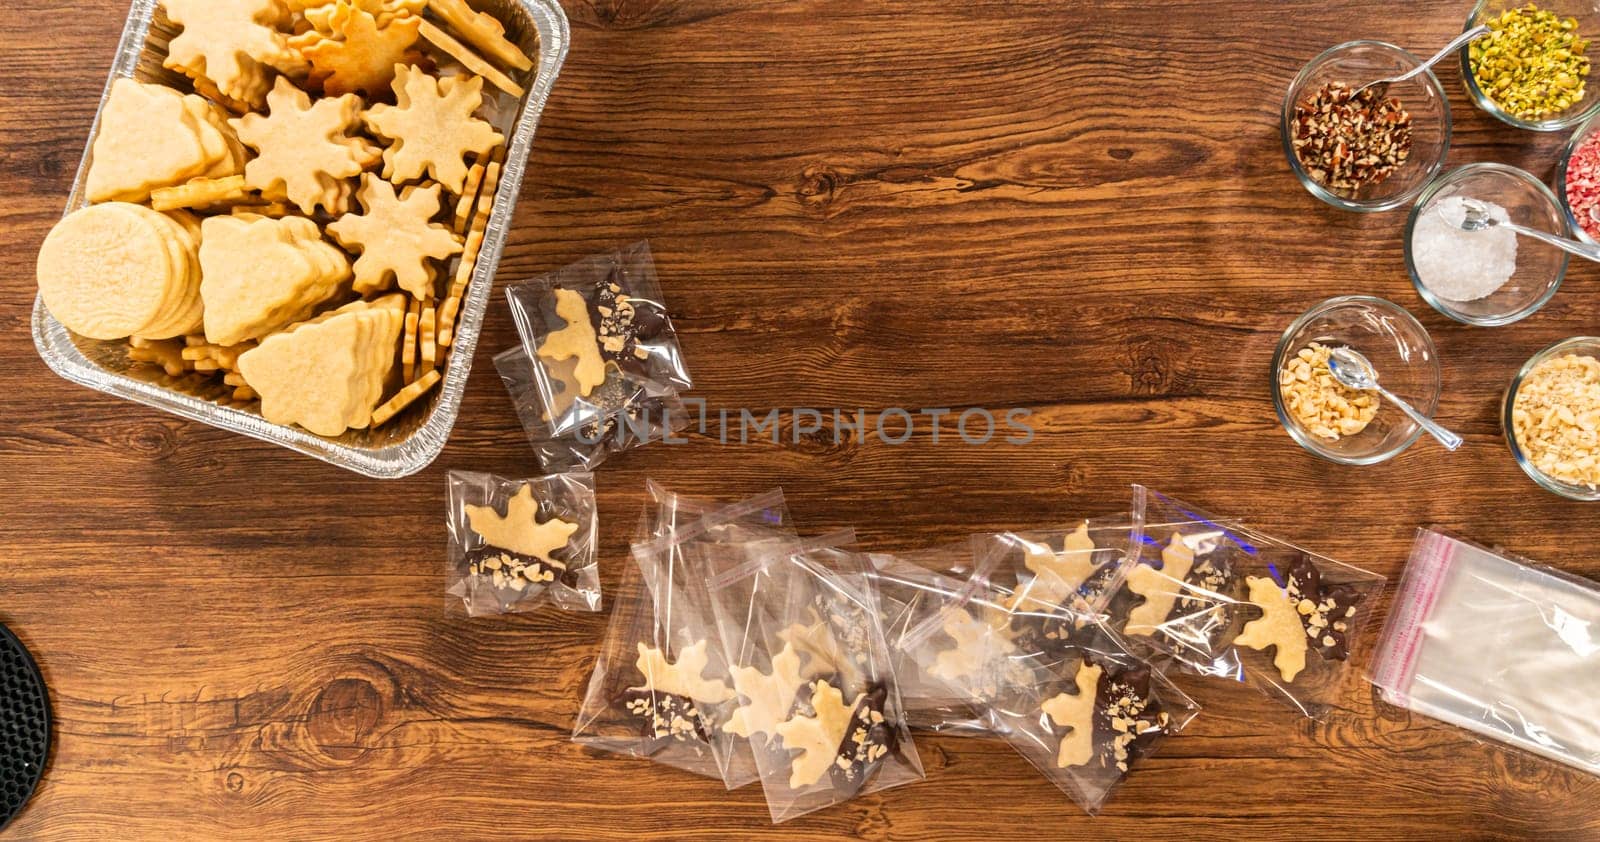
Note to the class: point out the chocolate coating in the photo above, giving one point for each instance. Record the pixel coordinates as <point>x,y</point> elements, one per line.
<point>870,740</point>
<point>1325,612</point>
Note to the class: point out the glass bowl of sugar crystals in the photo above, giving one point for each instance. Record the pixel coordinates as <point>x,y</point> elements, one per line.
<point>1490,276</point>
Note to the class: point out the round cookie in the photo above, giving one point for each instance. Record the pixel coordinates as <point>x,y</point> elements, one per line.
<point>108,271</point>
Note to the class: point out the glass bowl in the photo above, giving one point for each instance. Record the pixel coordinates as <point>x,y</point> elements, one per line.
<point>1540,268</point>
<point>1579,135</point>
<point>1588,16</point>
<point>1355,63</point>
<point>1400,350</point>
<point>1582,345</point>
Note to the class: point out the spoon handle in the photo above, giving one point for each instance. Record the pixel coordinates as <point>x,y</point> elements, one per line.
<point>1450,440</point>
<point>1459,42</point>
<point>1581,249</point>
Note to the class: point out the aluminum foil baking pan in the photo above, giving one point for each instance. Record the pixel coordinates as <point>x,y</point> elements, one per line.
<point>415,438</point>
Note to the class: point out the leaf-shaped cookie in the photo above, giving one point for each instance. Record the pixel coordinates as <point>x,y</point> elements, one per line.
<point>227,42</point>
<point>351,52</point>
<point>1160,588</point>
<point>768,696</point>
<point>817,737</point>
<point>432,127</point>
<point>1278,626</point>
<point>684,678</point>
<point>575,340</point>
<point>519,529</point>
<point>305,151</point>
<point>395,237</point>
<point>979,648</point>
<point>1056,576</point>
<point>1076,712</point>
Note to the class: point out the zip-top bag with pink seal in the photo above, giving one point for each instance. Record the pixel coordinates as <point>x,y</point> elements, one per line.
<point>1499,646</point>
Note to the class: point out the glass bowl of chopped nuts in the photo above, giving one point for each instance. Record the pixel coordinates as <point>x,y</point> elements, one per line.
<point>1489,277</point>
<point>1340,424</point>
<point>1551,416</point>
<point>1372,152</point>
<point>1532,69</point>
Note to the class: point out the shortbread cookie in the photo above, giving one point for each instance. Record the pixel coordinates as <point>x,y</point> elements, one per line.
<point>481,30</point>
<point>305,150</point>
<point>231,43</point>
<point>1076,713</point>
<point>152,136</point>
<point>817,736</point>
<point>117,270</point>
<point>684,677</point>
<point>327,374</point>
<point>259,274</point>
<point>767,697</point>
<point>575,340</point>
<point>1278,626</point>
<point>473,62</point>
<point>1160,588</point>
<point>432,128</point>
<point>352,52</point>
<point>407,395</point>
<point>395,237</point>
<point>519,530</point>
<point>200,193</point>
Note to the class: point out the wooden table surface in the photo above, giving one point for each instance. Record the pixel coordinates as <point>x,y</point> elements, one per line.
<point>1078,208</point>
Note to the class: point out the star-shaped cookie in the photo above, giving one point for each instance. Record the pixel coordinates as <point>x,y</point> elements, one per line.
<point>432,127</point>
<point>395,237</point>
<point>304,149</point>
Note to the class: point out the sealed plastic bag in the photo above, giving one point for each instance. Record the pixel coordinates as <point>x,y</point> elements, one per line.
<point>516,544</point>
<point>1500,646</point>
<point>661,687</point>
<point>599,338</point>
<point>817,695</point>
<point>1230,602</point>
<point>1068,569</point>
<point>652,418</point>
<point>1079,706</point>
<point>912,587</point>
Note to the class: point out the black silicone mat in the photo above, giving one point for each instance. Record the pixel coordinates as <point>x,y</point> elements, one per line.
<point>24,725</point>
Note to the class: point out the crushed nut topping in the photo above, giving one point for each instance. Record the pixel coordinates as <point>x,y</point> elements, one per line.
<point>1325,407</point>
<point>1556,419</point>
<point>1346,140</point>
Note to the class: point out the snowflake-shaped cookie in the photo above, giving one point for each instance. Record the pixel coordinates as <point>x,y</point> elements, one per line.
<point>351,51</point>
<point>229,43</point>
<point>395,237</point>
<point>432,127</point>
<point>305,151</point>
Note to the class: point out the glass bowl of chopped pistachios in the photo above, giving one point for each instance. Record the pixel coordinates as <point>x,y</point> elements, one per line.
<point>1363,148</point>
<point>1532,70</point>
<point>1335,422</point>
<point>1551,418</point>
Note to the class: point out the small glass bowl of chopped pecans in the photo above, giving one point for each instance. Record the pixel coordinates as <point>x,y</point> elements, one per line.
<point>1551,418</point>
<point>1365,150</point>
<point>1357,432</point>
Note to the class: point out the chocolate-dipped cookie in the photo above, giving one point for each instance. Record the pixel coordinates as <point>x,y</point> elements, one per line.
<point>1206,613</point>
<point>1127,716</point>
<point>513,570</point>
<point>1325,612</point>
<point>663,719</point>
<point>622,323</point>
<point>870,739</point>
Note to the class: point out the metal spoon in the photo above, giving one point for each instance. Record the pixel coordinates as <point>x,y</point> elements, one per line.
<point>1354,371</point>
<point>1461,40</point>
<point>1478,218</point>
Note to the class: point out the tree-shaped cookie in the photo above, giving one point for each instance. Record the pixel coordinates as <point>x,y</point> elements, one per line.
<point>768,696</point>
<point>519,530</point>
<point>817,737</point>
<point>432,127</point>
<point>304,149</point>
<point>229,43</point>
<point>352,51</point>
<point>395,237</point>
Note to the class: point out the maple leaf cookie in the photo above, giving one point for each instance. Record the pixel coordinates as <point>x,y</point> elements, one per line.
<point>351,51</point>
<point>518,548</point>
<point>230,44</point>
<point>395,237</point>
<point>432,128</point>
<point>304,151</point>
